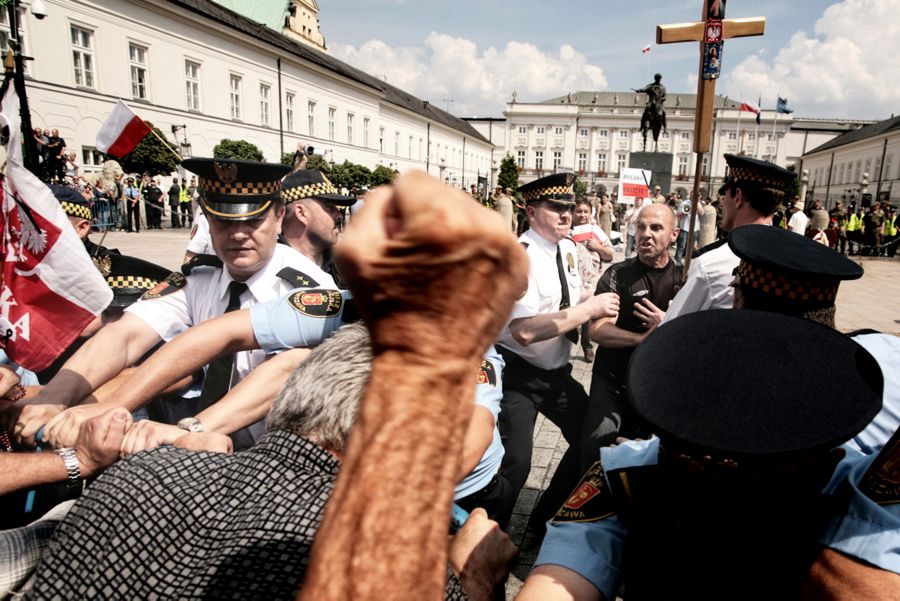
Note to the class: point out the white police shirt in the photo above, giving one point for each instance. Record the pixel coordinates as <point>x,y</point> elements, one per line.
<point>543,296</point>
<point>204,295</point>
<point>708,284</point>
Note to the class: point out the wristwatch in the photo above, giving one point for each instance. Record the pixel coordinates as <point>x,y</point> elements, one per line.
<point>73,468</point>
<point>191,424</point>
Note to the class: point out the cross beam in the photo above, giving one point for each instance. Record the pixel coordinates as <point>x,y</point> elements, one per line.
<point>710,31</point>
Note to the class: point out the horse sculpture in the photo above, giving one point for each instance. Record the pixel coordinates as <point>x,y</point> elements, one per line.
<point>654,116</point>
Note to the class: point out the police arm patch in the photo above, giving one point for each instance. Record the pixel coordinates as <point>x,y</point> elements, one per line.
<point>317,303</point>
<point>591,501</point>
<point>487,374</point>
<point>175,282</point>
<point>881,482</point>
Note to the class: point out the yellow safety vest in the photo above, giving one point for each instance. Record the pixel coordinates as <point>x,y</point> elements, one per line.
<point>890,226</point>
<point>854,224</point>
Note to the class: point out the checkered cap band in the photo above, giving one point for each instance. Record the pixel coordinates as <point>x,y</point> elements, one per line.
<point>550,193</point>
<point>788,288</point>
<point>745,174</point>
<point>236,188</point>
<point>76,210</point>
<point>125,283</point>
<point>308,191</point>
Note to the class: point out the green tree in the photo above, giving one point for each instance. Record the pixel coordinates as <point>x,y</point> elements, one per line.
<point>580,187</point>
<point>318,162</point>
<point>151,156</point>
<point>793,187</point>
<point>509,173</point>
<point>349,175</point>
<point>237,149</point>
<point>382,175</point>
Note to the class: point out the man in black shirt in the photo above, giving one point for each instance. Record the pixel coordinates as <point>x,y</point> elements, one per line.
<point>56,163</point>
<point>645,285</point>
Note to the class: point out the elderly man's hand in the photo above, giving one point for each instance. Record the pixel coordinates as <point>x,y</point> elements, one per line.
<point>24,418</point>
<point>649,314</point>
<point>148,434</point>
<point>205,441</point>
<point>481,555</point>
<point>99,440</point>
<point>433,273</point>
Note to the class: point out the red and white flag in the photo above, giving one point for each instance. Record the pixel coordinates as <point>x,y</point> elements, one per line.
<point>121,132</point>
<point>645,49</point>
<point>749,107</point>
<point>50,289</point>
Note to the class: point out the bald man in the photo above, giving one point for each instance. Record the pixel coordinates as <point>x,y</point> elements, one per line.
<point>645,285</point>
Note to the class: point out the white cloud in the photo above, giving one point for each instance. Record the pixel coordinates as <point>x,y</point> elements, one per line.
<point>480,83</point>
<point>844,69</point>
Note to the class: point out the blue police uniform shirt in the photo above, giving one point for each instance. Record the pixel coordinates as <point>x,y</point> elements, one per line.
<point>886,350</point>
<point>305,317</point>
<point>596,550</point>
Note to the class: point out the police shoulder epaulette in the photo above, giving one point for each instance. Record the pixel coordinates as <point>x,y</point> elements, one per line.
<point>173,283</point>
<point>317,302</point>
<point>487,374</point>
<point>709,247</point>
<point>881,482</point>
<point>200,261</point>
<point>524,244</point>
<point>297,278</point>
<point>591,500</point>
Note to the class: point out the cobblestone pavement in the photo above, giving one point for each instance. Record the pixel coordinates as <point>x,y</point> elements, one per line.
<point>873,301</point>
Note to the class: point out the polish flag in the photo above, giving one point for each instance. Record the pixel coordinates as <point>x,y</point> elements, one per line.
<point>750,107</point>
<point>50,288</point>
<point>645,49</point>
<point>121,132</point>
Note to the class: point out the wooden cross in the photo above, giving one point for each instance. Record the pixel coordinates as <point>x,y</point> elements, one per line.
<point>711,31</point>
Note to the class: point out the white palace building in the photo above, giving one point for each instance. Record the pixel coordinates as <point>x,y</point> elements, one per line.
<point>593,134</point>
<point>202,72</point>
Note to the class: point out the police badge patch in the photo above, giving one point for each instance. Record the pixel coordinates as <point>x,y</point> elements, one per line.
<point>317,303</point>
<point>175,282</point>
<point>881,482</point>
<point>487,374</point>
<point>591,500</point>
<point>570,262</point>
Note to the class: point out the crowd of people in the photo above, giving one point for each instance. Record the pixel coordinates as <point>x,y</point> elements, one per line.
<point>290,414</point>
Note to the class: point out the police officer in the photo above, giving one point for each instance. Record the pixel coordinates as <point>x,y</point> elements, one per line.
<point>747,486</point>
<point>750,195</point>
<point>537,341</point>
<point>78,210</point>
<point>242,200</point>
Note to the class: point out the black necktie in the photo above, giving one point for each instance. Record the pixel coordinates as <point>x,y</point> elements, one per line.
<point>564,284</point>
<point>218,374</point>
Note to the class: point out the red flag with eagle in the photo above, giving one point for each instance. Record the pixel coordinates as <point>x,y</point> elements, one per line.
<point>50,289</point>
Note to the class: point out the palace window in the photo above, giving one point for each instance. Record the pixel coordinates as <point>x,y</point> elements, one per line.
<point>83,56</point>
<point>137,57</point>
<point>192,84</point>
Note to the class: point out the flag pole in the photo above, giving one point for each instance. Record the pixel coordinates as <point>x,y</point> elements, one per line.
<point>774,122</point>
<point>740,136</point>
<point>166,144</point>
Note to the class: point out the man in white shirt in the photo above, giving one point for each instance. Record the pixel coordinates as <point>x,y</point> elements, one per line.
<point>536,344</point>
<point>242,200</point>
<point>753,190</point>
<point>799,221</point>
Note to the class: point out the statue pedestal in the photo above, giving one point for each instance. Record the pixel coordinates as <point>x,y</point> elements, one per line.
<point>659,163</point>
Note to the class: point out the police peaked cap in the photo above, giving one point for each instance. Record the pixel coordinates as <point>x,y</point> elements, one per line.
<point>748,391</point>
<point>312,183</point>
<point>72,202</point>
<point>789,268</point>
<point>236,190</point>
<point>763,173</point>
<point>556,187</point>
<point>129,277</point>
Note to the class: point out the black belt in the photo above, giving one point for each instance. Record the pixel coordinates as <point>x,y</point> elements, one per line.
<point>513,360</point>
<point>477,496</point>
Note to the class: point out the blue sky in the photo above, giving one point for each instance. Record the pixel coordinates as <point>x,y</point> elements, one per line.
<point>823,55</point>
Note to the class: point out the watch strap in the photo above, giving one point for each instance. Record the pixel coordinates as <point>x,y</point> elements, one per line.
<point>73,467</point>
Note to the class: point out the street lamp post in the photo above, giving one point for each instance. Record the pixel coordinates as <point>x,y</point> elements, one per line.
<point>14,65</point>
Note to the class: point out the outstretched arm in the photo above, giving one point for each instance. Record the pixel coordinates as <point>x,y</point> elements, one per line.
<point>418,259</point>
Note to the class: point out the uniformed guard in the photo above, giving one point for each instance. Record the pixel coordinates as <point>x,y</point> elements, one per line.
<point>242,200</point>
<point>750,195</point>
<point>785,272</point>
<point>747,484</point>
<point>78,209</point>
<point>314,216</point>
<point>536,345</point>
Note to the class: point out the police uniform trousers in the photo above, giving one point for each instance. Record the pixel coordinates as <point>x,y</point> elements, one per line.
<point>528,390</point>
